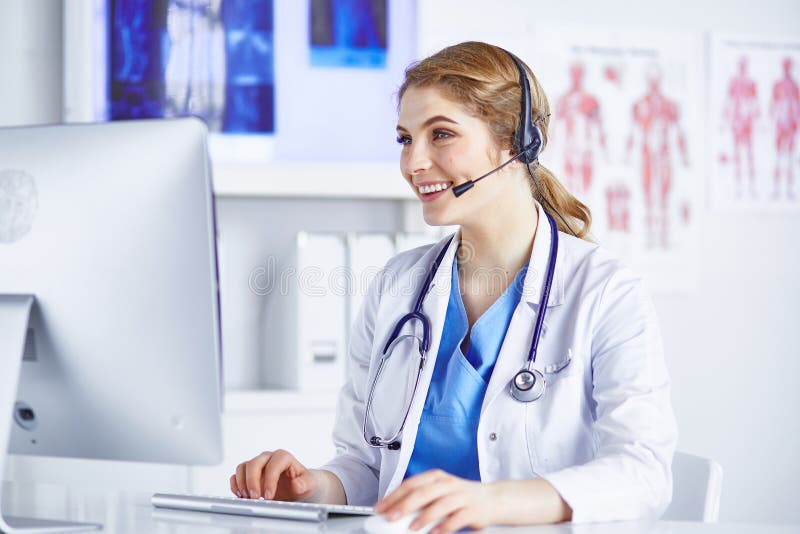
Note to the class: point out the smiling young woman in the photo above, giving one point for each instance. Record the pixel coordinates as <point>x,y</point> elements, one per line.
<point>494,414</point>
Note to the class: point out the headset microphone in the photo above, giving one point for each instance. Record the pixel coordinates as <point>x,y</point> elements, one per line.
<point>466,186</point>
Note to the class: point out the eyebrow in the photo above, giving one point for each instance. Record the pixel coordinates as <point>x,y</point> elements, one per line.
<point>437,118</point>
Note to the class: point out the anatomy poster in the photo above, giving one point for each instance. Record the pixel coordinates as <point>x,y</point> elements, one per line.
<point>754,114</point>
<point>624,133</point>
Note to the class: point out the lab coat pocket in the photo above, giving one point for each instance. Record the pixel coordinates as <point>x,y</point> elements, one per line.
<point>562,368</point>
<point>558,425</point>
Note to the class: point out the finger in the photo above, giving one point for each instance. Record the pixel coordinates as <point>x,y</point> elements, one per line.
<point>438,510</point>
<point>279,462</point>
<point>241,479</point>
<point>289,487</point>
<point>421,498</point>
<point>412,484</point>
<point>409,486</point>
<point>389,501</point>
<point>253,470</point>
<point>304,484</point>
<point>234,486</point>
<point>454,522</point>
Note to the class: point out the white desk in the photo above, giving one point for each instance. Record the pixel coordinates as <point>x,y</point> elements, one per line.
<point>131,513</point>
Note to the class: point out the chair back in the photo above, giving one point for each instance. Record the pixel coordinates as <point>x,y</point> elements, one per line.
<point>696,489</point>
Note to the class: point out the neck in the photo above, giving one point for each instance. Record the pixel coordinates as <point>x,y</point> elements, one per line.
<point>500,242</point>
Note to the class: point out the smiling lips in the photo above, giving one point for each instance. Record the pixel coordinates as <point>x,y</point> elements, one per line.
<point>426,189</point>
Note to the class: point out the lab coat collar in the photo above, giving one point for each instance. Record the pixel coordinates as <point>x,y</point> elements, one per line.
<point>444,273</point>
<point>537,266</point>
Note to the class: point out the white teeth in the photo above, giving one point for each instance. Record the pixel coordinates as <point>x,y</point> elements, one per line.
<point>425,189</point>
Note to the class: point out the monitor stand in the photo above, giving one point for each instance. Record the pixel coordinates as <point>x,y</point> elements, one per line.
<point>15,312</point>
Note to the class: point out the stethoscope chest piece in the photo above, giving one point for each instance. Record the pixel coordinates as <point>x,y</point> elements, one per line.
<point>527,385</point>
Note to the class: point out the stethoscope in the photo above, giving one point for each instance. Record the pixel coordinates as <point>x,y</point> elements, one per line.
<point>526,386</point>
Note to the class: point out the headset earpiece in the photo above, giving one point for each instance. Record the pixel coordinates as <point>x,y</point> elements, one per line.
<point>528,137</point>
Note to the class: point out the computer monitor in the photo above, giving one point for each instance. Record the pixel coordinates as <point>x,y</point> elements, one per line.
<point>107,237</point>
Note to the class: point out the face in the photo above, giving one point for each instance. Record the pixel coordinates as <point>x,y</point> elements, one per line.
<point>442,146</point>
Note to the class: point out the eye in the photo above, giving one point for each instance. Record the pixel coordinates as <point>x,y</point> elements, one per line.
<point>441,134</point>
<point>404,139</point>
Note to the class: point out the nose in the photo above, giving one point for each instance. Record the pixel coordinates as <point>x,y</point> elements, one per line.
<point>415,159</point>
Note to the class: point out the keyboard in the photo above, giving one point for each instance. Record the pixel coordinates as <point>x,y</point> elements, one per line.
<point>302,511</point>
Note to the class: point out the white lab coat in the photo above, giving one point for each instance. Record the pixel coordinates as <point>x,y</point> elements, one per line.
<point>603,434</point>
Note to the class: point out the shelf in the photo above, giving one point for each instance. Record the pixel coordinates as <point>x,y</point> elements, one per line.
<point>339,180</point>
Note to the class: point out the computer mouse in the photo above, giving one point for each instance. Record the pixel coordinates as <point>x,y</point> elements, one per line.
<point>379,524</point>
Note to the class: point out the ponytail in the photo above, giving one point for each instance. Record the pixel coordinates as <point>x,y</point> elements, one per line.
<point>552,195</point>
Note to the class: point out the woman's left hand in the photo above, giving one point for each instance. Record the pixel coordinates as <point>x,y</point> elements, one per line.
<point>440,496</point>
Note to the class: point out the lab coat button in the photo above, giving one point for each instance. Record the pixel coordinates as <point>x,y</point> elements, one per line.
<point>492,437</point>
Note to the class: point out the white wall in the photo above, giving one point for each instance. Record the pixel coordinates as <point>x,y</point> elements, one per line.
<point>732,346</point>
<point>30,62</point>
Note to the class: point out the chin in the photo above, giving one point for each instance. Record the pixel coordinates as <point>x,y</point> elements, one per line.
<point>437,218</point>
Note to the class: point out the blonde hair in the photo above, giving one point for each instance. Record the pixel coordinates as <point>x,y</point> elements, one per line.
<point>485,79</point>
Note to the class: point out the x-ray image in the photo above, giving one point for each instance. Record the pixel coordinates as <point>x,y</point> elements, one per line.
<point>249,80</point>
<point>348,33</point>
<point>139,53</point>
<point>208,58</point>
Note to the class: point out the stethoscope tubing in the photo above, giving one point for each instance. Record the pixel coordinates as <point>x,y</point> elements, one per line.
<point>551,267</point>
<point>536,376</point>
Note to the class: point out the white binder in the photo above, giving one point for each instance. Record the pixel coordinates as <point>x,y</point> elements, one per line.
<point>367,255</point>
<point>306,319</point>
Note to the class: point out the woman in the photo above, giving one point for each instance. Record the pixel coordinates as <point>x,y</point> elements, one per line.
<point>480,440</point>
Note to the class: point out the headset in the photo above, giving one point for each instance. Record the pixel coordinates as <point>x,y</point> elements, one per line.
<point>527,143</point>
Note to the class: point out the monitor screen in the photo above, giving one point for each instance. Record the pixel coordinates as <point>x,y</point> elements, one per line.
<point>111,228</point>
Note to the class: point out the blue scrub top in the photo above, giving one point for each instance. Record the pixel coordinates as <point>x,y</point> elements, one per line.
<point>448,428</point>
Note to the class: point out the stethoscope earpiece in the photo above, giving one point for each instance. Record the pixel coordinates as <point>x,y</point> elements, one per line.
<point>527,385</point>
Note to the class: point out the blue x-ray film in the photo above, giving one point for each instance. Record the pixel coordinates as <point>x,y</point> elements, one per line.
<point>195,68</point>
<point>209,58</point>
<point>348,33</point>
<point>138,56</point>
<point>249,57</point>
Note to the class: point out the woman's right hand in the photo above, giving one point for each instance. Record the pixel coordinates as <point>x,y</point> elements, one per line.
<point>274,475</point>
